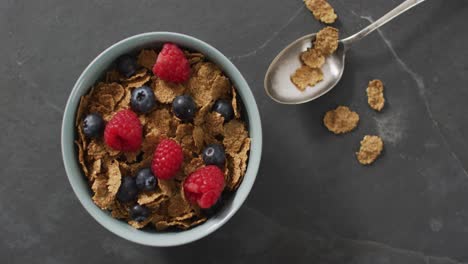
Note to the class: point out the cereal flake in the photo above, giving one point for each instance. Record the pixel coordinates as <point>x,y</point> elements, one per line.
<point>375,96</point>
<point>341,120</point>
<point>326,40</point>
<point>165,92</point>
<point>306,76</point>
<point>371,147</point>
<point>321,10</point>
<point>312,58</point>
<point>234,136</point>
<point>147,58</point>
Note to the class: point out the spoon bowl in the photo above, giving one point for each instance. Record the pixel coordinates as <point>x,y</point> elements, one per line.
<point>278,83</point>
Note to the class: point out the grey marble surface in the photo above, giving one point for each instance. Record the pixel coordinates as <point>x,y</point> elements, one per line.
<point>312,202</point>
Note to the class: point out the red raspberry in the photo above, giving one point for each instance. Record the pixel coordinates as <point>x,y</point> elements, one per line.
<point>124,132</point>
<point>204,186</point>
<point>167,159</point>
<point>172,65</point>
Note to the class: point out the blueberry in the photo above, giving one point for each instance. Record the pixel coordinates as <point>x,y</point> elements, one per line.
<point>184,107</point>
<point>143,100</point>
<point>214,154</point>
<point>126,65</point>
<point>139,213</point>
<point>145,180</point>
<point>224,108</point>
<point>93,124</point>
<point>128,190</point>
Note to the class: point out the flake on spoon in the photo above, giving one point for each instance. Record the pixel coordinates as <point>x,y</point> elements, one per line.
<point>326,40</point>
<point>306,76</point>
<point>312,58</point>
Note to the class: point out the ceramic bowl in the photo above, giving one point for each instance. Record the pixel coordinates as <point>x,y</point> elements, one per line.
<point>93,73</point>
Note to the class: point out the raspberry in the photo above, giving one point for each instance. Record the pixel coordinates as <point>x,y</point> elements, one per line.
<point>167,159</point>
<point>124,132</point>
<point>172,65</point>
<point>204,186</point>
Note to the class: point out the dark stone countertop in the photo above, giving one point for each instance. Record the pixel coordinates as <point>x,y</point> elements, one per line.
<point>312,202</point>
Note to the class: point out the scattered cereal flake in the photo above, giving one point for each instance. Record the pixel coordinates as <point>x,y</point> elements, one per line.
<point>306,76</point>
<point>147,58</point>
<point>193,165</point>
<point>238,165</point>
<point>81,157</point>
<point>149,197</point>
<point>114,178</point>
<point>177,206</point>
<point>375,96</point>
<point>371,147</point>
<point>321,10</point>
<point>234,136</point>
<point>214,123</point>
<point>234,103</point>
<point>312,58</point>
<point>326,40</point>
<point>341,120</point>
<point>165,92</point>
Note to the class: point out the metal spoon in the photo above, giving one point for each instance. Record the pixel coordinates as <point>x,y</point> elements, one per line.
<point>278,83</point>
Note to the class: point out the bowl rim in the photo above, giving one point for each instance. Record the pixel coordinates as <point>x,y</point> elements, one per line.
<point>75,176</point>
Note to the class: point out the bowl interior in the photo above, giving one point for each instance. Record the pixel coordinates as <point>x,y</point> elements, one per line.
<point>93,73</point>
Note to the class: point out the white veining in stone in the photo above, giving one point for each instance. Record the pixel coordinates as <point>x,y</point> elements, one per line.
<point>422,92</point>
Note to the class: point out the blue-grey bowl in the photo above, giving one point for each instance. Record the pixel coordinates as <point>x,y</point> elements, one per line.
<point>94,72</point>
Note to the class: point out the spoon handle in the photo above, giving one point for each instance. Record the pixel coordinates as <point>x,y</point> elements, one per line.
<point>380,22</point>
